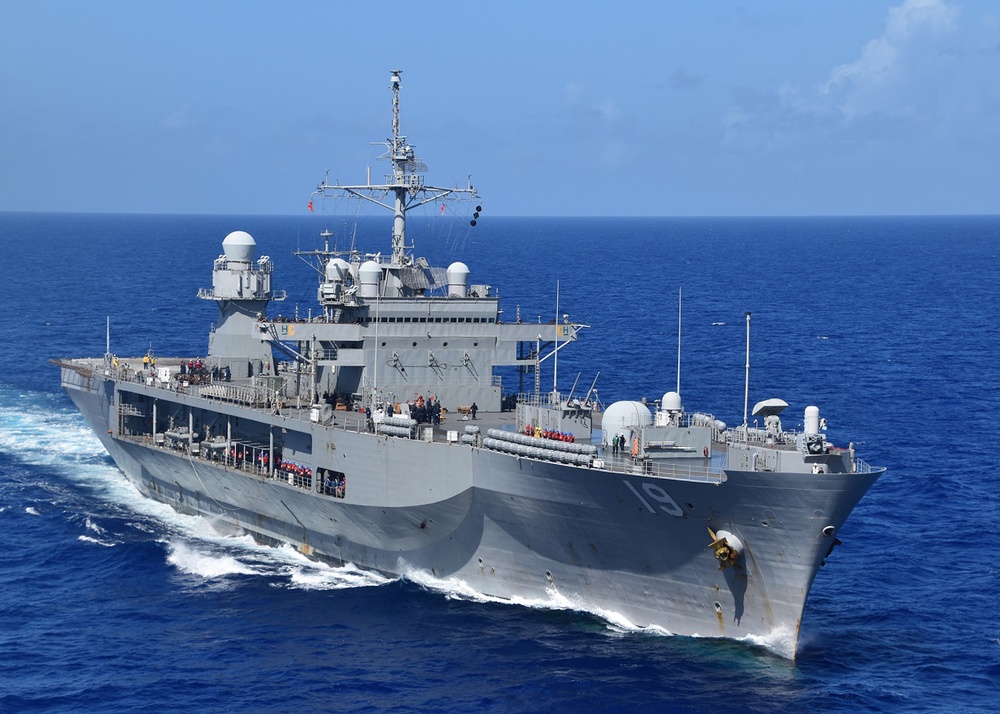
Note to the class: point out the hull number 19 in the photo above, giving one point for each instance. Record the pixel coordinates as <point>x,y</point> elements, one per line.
<point>654,493</point>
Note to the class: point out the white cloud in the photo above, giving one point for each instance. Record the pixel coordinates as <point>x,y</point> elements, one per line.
<point>902,82</point>
<point>912,30</point>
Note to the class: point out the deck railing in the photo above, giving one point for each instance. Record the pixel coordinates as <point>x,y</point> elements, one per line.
<point>863,467</point>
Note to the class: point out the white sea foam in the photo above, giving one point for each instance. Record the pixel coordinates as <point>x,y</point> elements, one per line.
<point>204,562</point>
<point>457,589</point>
<point>780,641</point>
<point>31,510</point>
<point>42,434</point>
<point>318,576</point>
<point>91,526</point>
<point>95,541</point>
<point>211,549</point>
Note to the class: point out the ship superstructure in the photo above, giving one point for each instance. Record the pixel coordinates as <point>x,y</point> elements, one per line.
<point>377,431</point>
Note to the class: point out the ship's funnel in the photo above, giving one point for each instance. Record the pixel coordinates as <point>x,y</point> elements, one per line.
<point>239,246</point>
<point>458,280</point>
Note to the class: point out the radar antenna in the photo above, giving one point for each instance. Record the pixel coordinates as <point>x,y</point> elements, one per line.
<point>405,184</point>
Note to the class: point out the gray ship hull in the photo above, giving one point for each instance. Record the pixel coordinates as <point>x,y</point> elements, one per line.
<point>627,545</point>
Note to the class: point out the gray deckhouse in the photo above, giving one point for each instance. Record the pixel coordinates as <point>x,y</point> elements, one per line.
<point>389,329</point>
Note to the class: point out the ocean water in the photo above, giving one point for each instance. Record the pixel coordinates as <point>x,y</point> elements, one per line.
<point>109,602</point>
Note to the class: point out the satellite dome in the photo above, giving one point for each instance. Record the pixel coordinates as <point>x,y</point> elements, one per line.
<point>369,272</point>
<point>458,279</point>
<point>457,269</point>
<point>369,275</point>
<point>623,417</point>
<point>337,270</point>
<point>239,246</point>
<point>671,402</point>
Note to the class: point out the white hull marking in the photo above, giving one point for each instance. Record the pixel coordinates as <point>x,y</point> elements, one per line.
<point>668,504</point>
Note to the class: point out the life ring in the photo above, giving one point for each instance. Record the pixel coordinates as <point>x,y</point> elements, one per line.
<point>706,452</point>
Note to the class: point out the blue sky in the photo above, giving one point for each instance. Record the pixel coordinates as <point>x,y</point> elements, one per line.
<point>646,108</point>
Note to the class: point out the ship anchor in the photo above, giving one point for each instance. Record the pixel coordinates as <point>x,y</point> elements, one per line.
<point>727,548</point>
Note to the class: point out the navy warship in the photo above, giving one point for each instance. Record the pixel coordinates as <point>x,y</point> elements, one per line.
<point>377,431</point>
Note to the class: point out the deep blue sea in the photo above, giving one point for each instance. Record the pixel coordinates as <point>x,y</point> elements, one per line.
<point>112,603</point>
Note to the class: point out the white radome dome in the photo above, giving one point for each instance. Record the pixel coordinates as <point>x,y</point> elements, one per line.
<point>337,270</point>
<point>671,402</point>
<point>369,275</point>
<point>458,279</point>
<point>239,246</point>
<point>622,417</point>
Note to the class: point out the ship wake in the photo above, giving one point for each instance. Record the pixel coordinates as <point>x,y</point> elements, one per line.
<point>37,431</point>
<point>458,589</point>
<point>779,641</point>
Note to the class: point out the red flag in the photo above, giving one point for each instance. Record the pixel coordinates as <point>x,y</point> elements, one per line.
<point>310,206</point>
